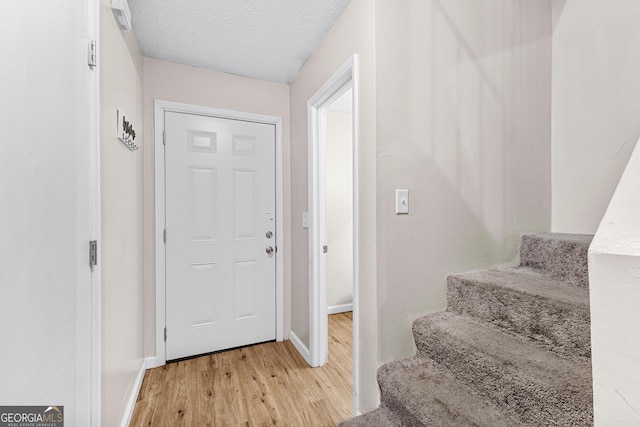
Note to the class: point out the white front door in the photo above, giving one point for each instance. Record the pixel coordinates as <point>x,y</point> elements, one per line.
<point>220,222</point>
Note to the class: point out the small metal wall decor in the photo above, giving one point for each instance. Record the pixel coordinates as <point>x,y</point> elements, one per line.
<point>126,133</point>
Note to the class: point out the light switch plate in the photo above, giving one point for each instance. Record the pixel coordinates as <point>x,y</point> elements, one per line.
<point>402,201</point>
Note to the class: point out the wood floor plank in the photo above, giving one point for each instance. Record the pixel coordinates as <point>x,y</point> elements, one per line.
<point>263,385</point>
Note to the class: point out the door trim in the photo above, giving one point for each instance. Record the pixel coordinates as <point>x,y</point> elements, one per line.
<point>160,107</point>
<point>95,195</point>
<point>343,79</point>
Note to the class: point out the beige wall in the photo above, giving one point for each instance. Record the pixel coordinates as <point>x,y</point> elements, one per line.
<point>122,194</point>
<point>339,208</point>
<point>596,106</point>
<point>353,33</point>
<point>180,83</point>
<point>463,122</point>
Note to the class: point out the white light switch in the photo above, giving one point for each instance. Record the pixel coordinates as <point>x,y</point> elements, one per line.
<point>305,219</point>
<point>402,201</point>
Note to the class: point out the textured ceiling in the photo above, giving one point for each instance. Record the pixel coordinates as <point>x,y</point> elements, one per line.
<point>263,39</point>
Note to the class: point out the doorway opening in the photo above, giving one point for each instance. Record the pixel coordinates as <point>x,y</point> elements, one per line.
<point>333,211</point>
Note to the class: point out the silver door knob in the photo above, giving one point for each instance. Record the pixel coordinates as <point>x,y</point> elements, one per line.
<point>269,250</point>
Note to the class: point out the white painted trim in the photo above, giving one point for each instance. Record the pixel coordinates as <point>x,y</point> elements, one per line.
<point>318,328</point>
<point>342,308</point>
<point>346,77</point>
<point>159,230</point>
<point>93,12</point>
<point>153,362</point>
<point>135,391</point>
<point>160,108</point>
<point>302,349</point>
<point>356,237</point>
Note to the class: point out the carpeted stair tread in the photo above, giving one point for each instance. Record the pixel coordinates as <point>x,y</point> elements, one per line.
<point>562,256</point>
<point>424,396</point>
<point>381,417</point>
<point>527,303</point>
<point>531,282</point>
<point>534,385</point>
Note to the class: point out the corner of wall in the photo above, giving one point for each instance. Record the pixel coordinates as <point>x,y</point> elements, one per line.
<point>614,291</point>
<point>121,246</point>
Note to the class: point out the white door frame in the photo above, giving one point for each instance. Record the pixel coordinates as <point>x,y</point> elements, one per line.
<point>165,106</point>
<point>341,81</point>
<point>95,194</point>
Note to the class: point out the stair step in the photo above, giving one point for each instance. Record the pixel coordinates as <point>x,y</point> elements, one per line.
<point>528,304</point>
<point>422,395</point>
<point>531,384</point>
<point>381,417</point>
<point>562,256</point>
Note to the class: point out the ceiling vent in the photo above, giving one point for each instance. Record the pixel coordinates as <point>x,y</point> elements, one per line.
<point>122,14</point>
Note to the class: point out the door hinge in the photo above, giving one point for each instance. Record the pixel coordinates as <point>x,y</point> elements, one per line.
<point>164,235</point>
<point>93,53</point>
<point>325,249</point>
<point>165,334</point>
<point>93,253</point>
<point>164,137</point>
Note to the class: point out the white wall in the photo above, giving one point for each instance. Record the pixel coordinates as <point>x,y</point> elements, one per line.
<point>463,122</point>
<point>45,318</point>
<point>352,33</point>
<point>614,276</point>
<point>122,196</point>
<point>596,106</point>
<point>339,209</point>
<point>198,86</point>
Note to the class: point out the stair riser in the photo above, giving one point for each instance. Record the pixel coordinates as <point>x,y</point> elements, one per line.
<point>408,420</point>
<point>561,259</point>
<point>558,327</point>
<point>420,395</point>
<point>391,402</point>
<point>380,417</point>
<point>529,398</point>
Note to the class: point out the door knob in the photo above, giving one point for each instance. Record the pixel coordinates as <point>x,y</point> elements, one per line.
<point>269,250</point>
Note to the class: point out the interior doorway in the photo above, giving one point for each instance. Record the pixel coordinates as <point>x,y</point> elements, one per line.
<point>327,170</point>
<point>339,204</point>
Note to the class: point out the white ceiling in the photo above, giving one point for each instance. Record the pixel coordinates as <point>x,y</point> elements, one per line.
<point>263,39</point>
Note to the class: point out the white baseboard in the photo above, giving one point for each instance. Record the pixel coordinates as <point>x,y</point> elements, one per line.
<point>335,309</point>
<point>302,349</point>
<point>133,397</point>
<point>153,362</point>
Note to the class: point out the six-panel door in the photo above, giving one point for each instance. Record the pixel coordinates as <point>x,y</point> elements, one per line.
<point>220,212</point>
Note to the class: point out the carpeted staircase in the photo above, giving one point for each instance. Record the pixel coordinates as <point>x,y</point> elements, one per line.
<point>513,348</point>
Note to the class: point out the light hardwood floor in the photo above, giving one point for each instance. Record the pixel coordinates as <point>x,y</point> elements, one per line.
<point>262,385</point>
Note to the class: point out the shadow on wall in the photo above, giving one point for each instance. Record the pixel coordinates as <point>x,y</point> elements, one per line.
<point>557,7</point>
<point>464,122</point>
<point>489,135</point>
